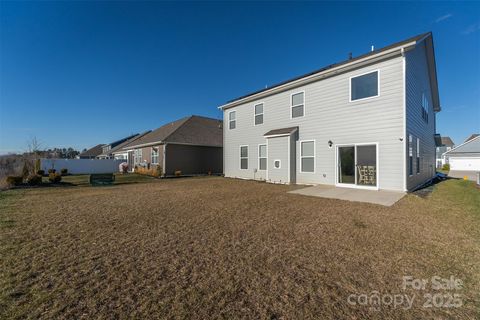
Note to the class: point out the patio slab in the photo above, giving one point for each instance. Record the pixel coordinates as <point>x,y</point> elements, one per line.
<point>382,197</point>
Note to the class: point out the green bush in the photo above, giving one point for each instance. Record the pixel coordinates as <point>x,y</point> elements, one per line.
<point>34,179</point>
<point>64,171</point>
<point>54,177</point>
<point>51,171</point>
<point>14,180</point>
<point>446,167</point>
<point>41,172</point>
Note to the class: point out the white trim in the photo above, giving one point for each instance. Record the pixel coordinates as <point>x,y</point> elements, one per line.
<point>354,185</point>
<point>410,145</point>
<point>298,105</point>
<point>404,106</point>
<point>266,156</point>
<point>151,154</point>
<point>477,137</point>
<point>288,157</point>
<point>322,74</point>
<point>314,156</point>
<point>240,156</point>
<point>255,115</point>
<point>362,74</point>
<point>417,158</point>
<point>266,174</point>
<point>280,164</point>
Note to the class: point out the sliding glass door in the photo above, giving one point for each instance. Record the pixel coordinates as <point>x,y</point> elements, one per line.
<point>357,165</point>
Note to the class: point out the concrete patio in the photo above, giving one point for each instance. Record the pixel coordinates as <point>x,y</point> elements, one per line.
<point>381,197</point>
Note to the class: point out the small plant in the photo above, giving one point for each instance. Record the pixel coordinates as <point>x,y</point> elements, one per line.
<point>51,171</point>
<point>64,171</point>
<point>446,167</point>
<point>54,177</point>
<point>14,180</point>
<point>41,172</point>
<point>178,173</point>
<point>159,171</point>
<point>34,179</point>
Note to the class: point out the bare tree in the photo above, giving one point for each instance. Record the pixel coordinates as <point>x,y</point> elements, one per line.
<point>33,145</point>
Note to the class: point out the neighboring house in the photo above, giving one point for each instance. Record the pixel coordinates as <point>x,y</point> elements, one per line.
<point>191,145</point>
<point>122,152</point>
<point>107,148</point>
<point>466,156</point>
<point>91,153</point>
<point>367,122</point>
<point>443,144</point>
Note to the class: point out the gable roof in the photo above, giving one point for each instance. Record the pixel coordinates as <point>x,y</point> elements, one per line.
<point>470,146</point>
<point>472,137</point>
<point>368,57</point>
<point>93,151</point>
<point>446,141</point>
<point>192,130</point>
<point>118,148</point>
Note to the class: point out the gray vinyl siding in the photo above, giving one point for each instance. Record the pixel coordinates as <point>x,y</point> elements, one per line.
<point>417,82</point>
<point>329,115</point>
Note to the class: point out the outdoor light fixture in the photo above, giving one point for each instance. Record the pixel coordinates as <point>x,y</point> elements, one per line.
<point>330,143</point>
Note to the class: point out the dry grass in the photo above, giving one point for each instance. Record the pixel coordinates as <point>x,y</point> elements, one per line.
<point>221,248</point>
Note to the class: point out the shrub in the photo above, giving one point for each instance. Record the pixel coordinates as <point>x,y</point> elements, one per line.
<point>25,171</point>
<point>34,179</point>
<point>446,167</point>
<point>51,171</point>
<point>40,172</point>
<point>178,173</point>
<point>154,170</point>
<point>37,164</point>
<point>54,177</point>
<point>64,171</point>
<point>14,180</point>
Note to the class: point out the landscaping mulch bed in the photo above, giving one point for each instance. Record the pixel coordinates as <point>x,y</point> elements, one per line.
<point>210,248</point>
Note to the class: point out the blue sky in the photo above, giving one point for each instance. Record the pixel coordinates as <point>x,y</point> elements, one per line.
<point>81,73</point>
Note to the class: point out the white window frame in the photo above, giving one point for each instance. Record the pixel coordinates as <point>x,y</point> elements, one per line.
<point>151,154</point>
<point>314,156</point>
<point>266,157</point>
<point>292,106</point>
<point>280,164</point>
<point>235,120</point>
<point>418,156</point>
<point>257,114</point>
<point>240,156</point>
<point>410,155</point>
<point>138,154</point>
<point>359,75</point>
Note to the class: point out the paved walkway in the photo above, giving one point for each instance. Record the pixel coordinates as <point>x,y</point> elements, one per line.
<point>382,197</point>
<point>471,175</point>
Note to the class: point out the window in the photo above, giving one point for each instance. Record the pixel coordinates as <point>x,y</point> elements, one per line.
<point>243,157</point>
<point>410,154</point>
<point>262,157</point>
<point>258,113</point>
<point>418,155</point>
<point>364,86</point>
<point>138,156</point>
<point>154,155</point>
<point>298,104</point>
<point>307,156</point>
<point>232,120</point>
<point>425,107</point>
<point>277,164</point>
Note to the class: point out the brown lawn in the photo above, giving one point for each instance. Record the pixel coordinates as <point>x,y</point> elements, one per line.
<point>203,248</point>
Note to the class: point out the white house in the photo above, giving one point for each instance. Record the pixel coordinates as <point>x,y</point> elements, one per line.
<point>367,122</point>
<point>466,156</point>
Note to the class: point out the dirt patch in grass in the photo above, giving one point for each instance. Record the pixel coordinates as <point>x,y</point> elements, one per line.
<point>205,248</point>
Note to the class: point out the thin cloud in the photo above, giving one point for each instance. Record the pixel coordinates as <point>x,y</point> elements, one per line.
<point>472,28</point>
<point>445,17</point>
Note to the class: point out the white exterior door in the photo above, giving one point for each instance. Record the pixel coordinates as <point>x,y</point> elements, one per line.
<point>465,164</point>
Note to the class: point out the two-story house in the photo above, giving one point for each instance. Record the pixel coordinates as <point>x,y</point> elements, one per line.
<point>367,122</point>
<point>444,144</point>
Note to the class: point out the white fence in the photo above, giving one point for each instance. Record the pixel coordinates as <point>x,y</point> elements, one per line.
<point>81,166</point>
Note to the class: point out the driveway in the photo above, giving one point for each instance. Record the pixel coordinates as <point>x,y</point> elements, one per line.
<point>471,175</point>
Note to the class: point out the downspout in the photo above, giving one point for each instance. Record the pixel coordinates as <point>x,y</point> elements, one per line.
<point>404,71</point>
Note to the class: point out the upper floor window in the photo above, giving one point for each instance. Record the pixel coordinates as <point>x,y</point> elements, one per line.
<point>298,104</point>
<point>425,107</point>
<point>154,155</point>
<point>243,157</point>
<point>258,113</point>
<point>232,119</point>
<point>364,86</point>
